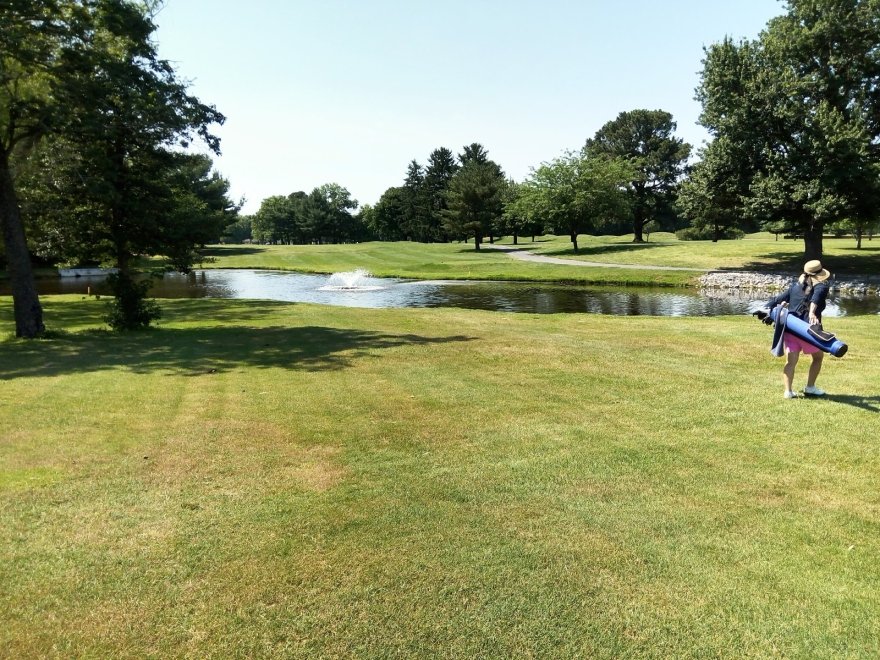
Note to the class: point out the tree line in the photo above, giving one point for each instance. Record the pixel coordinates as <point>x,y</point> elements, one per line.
<point>94,166</point>
<point>794,118</point>
<point>623,178</point>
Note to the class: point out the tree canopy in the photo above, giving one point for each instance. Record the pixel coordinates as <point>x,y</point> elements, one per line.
<point>85,76</point>
<point>799,113</point>
<point>322,216</point>
<point>474,201</point>
<point>575,193</point>
<point>644,138</point>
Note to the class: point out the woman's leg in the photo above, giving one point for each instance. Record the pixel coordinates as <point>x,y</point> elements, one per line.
<point>791,360</point>
<point>815,368</point>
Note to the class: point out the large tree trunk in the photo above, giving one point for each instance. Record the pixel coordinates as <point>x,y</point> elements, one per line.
<point>477,241</point>
<point>638,227</point>
<point>813,241</point>
<point>640,216</point>
<point>574,241</point>
<point>25,301</point>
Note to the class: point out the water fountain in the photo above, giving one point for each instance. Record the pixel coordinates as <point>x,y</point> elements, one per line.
<point>355,280</point>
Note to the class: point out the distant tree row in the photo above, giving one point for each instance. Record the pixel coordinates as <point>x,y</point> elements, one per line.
<point>450,198</point>
<point>322,216</point>
<point>626,176</point>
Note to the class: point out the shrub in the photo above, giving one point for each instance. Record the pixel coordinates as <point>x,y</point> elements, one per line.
<point>130,309</point>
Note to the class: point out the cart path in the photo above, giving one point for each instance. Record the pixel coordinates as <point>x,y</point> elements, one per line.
<point>524,255</point>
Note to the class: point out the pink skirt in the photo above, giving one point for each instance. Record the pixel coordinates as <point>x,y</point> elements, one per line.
<point>795,344</point>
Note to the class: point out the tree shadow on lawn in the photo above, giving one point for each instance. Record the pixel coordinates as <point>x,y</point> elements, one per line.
<point>232,250</point>
<point>586,250</point>
<point>89,311</point>
<point>202,351</point>
<point>852,262</point>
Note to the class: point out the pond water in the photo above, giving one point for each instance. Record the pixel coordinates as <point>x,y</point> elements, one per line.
<point>528,297</point>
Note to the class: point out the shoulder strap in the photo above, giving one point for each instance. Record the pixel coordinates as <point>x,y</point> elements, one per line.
<point>805,302</point>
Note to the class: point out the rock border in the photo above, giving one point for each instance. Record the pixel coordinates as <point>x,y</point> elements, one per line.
<point>858,285</point>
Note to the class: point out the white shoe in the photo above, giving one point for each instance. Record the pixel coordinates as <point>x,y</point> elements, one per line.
<point>812,390</point>
<point>790,395</point>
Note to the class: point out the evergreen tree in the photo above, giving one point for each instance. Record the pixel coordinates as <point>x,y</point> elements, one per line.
<point>438,175</point>
<point>417,217</point>
<point>474,200</point>
<point>89,74</point>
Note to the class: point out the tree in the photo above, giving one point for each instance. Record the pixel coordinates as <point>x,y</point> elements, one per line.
<point>801,104</point>
<point>198,211</point>
<point>386,219</point>
<point>474,198</point>
<point>440,170</point>
<point>645,138</point>
<point>710,197</point>
<point>416,215</point>
<point>858,227</point>
<point>275,221</point>
<point>335,207</point>
<point>514,221</point>
<point>34,42</point>
<point>191,204</point>
<point>105,95</point>
<point>135,114</point>
<point>239,231</point>
<point>575,193</point>
<point>474,152</point>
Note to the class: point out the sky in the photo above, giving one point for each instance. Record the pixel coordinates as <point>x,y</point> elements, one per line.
<point>349,92</point>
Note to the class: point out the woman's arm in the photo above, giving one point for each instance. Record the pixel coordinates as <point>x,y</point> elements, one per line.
<point>817,302</point>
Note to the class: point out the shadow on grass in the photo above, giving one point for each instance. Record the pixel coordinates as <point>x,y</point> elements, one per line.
<point>232,250</point>
<point>869,403</point>
<point>852,261</point>
<point>614,248</point>
<point>485,248</point>
<point>90,311</point>
<point>201,351</point>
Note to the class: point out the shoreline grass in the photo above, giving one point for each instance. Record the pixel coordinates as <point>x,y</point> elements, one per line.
<point>760,252</point>
<point>275,479</point>
<point>430,261</point>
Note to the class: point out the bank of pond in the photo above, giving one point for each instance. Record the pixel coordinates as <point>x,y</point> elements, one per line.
<point>359,289</point>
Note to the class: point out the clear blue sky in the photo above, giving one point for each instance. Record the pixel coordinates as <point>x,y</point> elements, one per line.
<point>349,92</point>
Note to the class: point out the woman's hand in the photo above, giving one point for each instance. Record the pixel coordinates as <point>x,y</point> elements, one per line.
<point>813,319</point>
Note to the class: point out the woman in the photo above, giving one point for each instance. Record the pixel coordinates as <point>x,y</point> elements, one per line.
<point>806,300</point>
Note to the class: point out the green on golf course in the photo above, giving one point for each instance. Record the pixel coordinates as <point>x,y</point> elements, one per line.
<point>255,479</point>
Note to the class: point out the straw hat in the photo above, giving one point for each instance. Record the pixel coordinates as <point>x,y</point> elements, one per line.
<point>814,269</point>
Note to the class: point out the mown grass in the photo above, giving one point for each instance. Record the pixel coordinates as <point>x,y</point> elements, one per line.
<point>267,479</point>
<point>757,252</point>
<point>427,261</point>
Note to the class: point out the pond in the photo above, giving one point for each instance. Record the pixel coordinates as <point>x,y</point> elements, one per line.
<point>529,297</point>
